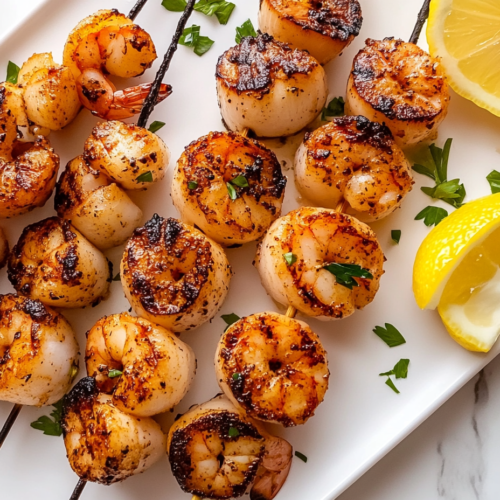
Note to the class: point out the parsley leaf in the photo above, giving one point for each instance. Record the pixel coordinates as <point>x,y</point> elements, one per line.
<point>236,376</point>
<point>345,274</point>
<point>396,235</point>
<point>221,9</point>
<point>301,456</point>
<point>494,179</point>
<point>290,258</point>
<point>232,192</point>
<point>233,432</point>
<point>390,383</point>
<point>191,38</point>
<point>50,426</point>
<point>451,192</point>
<point>12,72</point>
<point>390,335</point>
<point>192,185</point>
<point>335,108</point>
<point>145,177</point>
<point>246,29</point>
<point>230,319</point>
<point>400,369</point>
<point>117,277</point>
<point>240,181</point>
<point>155,126</point>
<point>174,5</point>
<point>432,215</point>
<point>114,373</point>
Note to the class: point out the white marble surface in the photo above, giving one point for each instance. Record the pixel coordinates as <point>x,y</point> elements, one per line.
<point>453,455</point>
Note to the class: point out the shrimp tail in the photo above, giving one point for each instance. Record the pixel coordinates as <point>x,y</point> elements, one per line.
<point>274,469</point>
<point>128,102</point>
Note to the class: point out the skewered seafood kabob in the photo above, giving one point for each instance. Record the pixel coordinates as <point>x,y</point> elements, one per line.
<point>218,452</point>
<point>323,28</point>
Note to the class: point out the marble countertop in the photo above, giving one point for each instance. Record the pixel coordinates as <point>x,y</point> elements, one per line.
<point>453,455</point>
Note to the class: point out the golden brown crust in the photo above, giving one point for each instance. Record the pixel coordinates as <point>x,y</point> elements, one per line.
<point>399,80</point>
<point>254,64</point>
<point>338,19</point>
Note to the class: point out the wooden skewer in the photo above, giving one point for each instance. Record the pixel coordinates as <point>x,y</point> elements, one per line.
<point>9,423</point>
<point>422,17</point>
<point>196,497</point>
<point>78,489</point>
<point>136,9</point>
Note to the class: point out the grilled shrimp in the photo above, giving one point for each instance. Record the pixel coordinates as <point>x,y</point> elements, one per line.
<point>103,444</point>
<point>38,352</point>
<point>96,206</point>
<point>28,171</point>
<point>173,275</point>
<point>49,92</point>
<point>217,452</point>
<point>229,186</point>
<point>266,86</point>
<point>156,367</point>
<point>127,153</point>
<point>54,263</point>
<point>322,28</point>
<point>293,257</point>
<point>355,159</point>
<point>107,42</point>
<point>4,248</point>
<point>272,367</point>
<point>398,84</point>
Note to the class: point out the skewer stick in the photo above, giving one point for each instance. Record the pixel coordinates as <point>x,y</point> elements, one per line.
<point>196,497</point>
<point>78,489</point>
<point>9,423</point>
<point>136,9</point>
<point>150,102</point>
<point>422,17</point>
<point>245,131</point>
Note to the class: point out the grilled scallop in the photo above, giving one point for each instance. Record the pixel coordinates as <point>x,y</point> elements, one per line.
<point>103,444</point>
<point>272,367</point>
<point>357,160</point>
<point>293,257</point>
<point>131,156</point>
<point>217,452</point>
<point>173,275</point>
<point>38,352</point>
<point>399,84</point>
<point>229,186</point>
<point>156,367</point>
<point>266,86</point>
<point>323,28</point>
<point>96,206</point>
<point>54,263</point>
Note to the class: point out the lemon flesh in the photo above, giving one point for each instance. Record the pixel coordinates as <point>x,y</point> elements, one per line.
<point>470,303</point>
<point>465,35</point>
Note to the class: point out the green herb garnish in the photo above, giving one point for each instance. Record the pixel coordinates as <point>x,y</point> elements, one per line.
<point>145,177</point>
<point>390,383</point>
<point>155,126</point>
<point>230,319</point>
<point>396,235</point>
<point>221,9</point>
<point>232,192</point>
<point>246,29</point>
<point>12,72</point>
<point>236,376</point>
<point>73,372</point>
<point>451,192</point>
<point>191,38</point>
<point>115,373</point>
<point>494,179</point>
<point>192,185</point>
<point>390,335</point>
<point>432,215</point>
<point>335,108</point>
<point>117,277</point>
<point>290,258</point>
<point>345,274</point>
<point>240,181</point>
<point>233,432</point>
<point>50,426</point>
<point>301,456</point>
<point>174,5</point>
<point>400,369</point>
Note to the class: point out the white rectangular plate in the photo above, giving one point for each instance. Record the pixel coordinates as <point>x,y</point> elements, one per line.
<point>361,418</point>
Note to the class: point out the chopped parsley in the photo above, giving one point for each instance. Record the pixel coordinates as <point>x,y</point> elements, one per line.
<point>345,274</point>
<point>396,235</point>
<point>192,185</point>
<point>191,38</point>
<point>390,335</point>
<point>400,370</point>
<point>115,373</point>
<point>334,108</point>
<point>117,277</point>
<point>50,426</point>
<point>230,319</point>
<point>174,5</point>
<point>432,216</point>
<point>301,456</point>
<point>240,181</point>
<point>155,126</point>
<point>494,179</point>
<point>233,432</point>
<point>246,29</point>
<point>390,383</point>
<point>290,258</point>
<point>145,177</point>
<point>231,191</point>
<point>221,9</point>
<point>236,376</point>
<point>12,72</point>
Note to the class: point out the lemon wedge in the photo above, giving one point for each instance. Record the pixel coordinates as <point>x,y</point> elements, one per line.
<point>465,35</point>
<point>457,271</point>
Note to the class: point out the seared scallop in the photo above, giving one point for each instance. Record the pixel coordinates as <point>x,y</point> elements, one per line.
<point>323,28</point>
<point>266,86</point>
<point>397,83</point>
<point>173,275</point>
<point>229,186</point>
